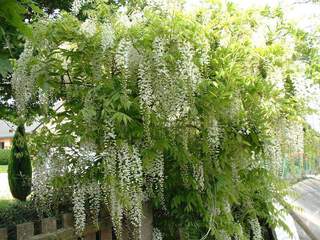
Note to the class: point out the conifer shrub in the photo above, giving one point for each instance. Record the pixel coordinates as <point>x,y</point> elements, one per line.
<point>19,168</point>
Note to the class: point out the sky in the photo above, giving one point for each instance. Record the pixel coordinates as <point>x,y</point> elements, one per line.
<point>304,15</point>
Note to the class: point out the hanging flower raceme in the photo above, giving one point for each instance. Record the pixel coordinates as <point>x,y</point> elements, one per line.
<point>79,211</point>
<point>23,79</point>
<point>107,36</point>
<point>41,189</point>
<point>78,4</point>
<point>156,234</point>
<point>256,229</point>
<point>88,28</point>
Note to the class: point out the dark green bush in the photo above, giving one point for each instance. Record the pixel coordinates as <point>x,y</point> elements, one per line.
<point>16,213</point>
<point>4,156</point>
<point>19,168</point>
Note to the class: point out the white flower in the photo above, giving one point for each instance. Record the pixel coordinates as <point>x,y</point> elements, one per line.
<point>23,79</point>
<point>156,234</point>
<point>77,5</point>
<point>225,38</point>
<point>273,153</point>
<point>223,235</point>
<point>155,176</point>
<point>145,85</point>
<point>198,173</point>
<point>125,58</point>
<point>107,36</point>
<point>276,77</point>
<point>188,69</point>
<point>78,199</point>
<point>259,37</point>
<point>68,46</point>
<point>256,229</point>
<point>137,17</point>
<point>41,189</point>
<point>116,212</point>
<point>94,196</point>
<point>122,56</point>
<point>123,18</point>
<point>88,27</point>
<point>214,133</point>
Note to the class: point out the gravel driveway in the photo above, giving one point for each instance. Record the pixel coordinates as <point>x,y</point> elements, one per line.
<point>4,187</point>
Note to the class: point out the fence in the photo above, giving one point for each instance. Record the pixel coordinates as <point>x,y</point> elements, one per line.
<point>63,229</point>
<point>51,231</point>
<point>299,165</point>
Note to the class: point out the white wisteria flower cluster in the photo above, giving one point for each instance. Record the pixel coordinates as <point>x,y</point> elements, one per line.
<point>77,5</point>
<point>256,228</point>
<point>82,193</point>
<point>88,27</point>
<point>41,189</point>
<point>23,78</point>
<point>156,234</point>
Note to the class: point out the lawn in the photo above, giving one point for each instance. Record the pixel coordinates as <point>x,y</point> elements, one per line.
<point>3,168</point>
<point>4,203</point>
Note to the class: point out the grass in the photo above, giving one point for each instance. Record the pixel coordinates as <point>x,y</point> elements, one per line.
<point>4,203</point>
<point>3,168</point>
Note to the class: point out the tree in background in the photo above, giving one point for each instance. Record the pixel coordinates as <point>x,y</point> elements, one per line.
<point>19,169</point>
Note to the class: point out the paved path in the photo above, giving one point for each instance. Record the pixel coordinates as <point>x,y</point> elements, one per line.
<point>304,221</point>
<point>307,204</point>
<point>281,233</point>
<point>4,187</point>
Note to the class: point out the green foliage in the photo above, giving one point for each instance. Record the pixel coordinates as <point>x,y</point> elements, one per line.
<point>12,15</point>
<point>19,168</point>
<point>4,156</point>
<point>16,212</point>
<point>3,168</point>
<point>13,29</point>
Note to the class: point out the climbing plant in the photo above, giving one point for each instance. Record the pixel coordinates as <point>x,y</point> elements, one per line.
<point>181,105</point>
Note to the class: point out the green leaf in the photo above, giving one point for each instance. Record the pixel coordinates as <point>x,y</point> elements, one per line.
<point>5,67</point>
<point>121,118</point>
<point>14,12</point>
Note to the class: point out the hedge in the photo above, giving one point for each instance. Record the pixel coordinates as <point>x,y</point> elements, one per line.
<point>4,156</point>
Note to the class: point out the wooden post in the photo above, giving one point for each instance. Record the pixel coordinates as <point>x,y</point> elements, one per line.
<point>106,231</point>
<point>90,232</point>
<point>48,225</point>
<point>90,236</point>
<point>25,231</point>
<point>67,220</point>
<point>4,234</point>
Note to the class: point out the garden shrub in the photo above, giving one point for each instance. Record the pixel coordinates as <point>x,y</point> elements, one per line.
<point>17,212</point>
<point>19,168</point>
<point>4,156</point>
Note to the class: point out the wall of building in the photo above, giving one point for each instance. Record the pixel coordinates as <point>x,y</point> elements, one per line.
<point>5,142</point>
